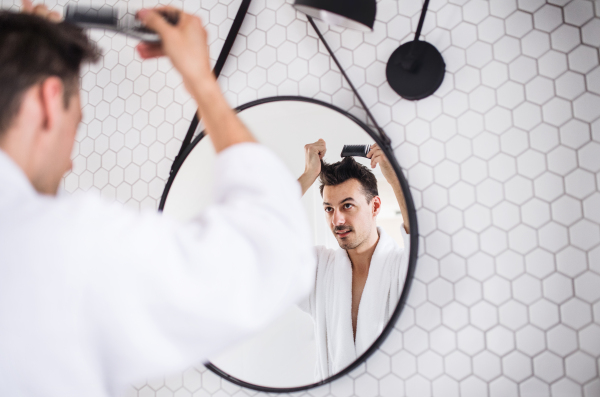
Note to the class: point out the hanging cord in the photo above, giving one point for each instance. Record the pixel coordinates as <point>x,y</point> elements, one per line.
<point>235,28</point>
<point>382,134</point>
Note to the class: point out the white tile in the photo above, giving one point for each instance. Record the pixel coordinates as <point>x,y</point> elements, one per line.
<point>490,30</point>
<point>581,367</point>
<point>449,16</point>
<point>553,237</point>
<point>527,116</point>
<point>566,210</point>
<point>464,35</point>
<point>494,74</point>
<point>366,385</point>
<point>558,288</point>
<point>575,313</point>
<point>484,315</point>
<point>499,340</point>
<point>415,340</point>
<point>430,365</point>
<point>452,268</point>
<point>539,90</point>
<point>547,18</point>
<point>548,367</point>
<point>513,315</point>
<point>510,95</point>
<point>530,340</point>
<point>588,339</point>
<point>539,263</point>
<point>571,261</point>
<point>473,386</point>
<point>534,386</point>
<point>501,8</point>
<point>473,170</point>
<point>584,234</point>
<point>591,207</point>
<point>389,386</point>
<point>552,64</point>
<point>578,12</point>
<point>418,385</point>
<point>464,243</point>
<point>562,340</point>
<point>487,366</point>
<point>471,340</point>
<point>523,69</point>
<point>404,364</point>
<point>579,183</point>
<point>517,366</point>
<point>583,59</point>
<point>590,33</point>
<point>498,120</point>
<point>543,314</point>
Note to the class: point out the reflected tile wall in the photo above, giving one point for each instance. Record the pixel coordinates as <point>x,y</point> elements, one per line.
<point>503,162</point>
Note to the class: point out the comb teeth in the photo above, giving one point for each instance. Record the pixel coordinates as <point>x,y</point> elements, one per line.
<point>355,150</point>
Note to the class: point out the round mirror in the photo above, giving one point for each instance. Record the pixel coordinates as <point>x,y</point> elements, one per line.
<point>357,204</point>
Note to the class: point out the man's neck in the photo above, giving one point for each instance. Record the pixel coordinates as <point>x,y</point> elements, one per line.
<point>360,257</point>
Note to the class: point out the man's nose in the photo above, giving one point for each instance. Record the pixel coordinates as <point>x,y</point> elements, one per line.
<point>338,218</point>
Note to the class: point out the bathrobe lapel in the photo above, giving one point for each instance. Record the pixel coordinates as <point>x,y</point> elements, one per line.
<point>373,309</point>
<point>340,316</point>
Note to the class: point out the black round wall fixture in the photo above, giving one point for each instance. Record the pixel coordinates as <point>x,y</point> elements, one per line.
<point>415,70</point>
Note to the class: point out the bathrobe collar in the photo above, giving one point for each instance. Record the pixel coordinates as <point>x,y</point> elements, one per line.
<point>12,178</point>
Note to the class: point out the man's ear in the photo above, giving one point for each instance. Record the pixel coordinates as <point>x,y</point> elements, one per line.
<point>52,101</point>
<point>376,202</point>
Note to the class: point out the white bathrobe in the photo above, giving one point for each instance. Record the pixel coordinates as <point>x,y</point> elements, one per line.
<point>330,303</point>
<point>93,296</point>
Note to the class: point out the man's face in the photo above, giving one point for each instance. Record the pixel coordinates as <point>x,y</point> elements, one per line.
<point>350,217</point>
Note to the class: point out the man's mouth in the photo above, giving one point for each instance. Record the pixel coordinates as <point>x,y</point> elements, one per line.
<point>343,233</point>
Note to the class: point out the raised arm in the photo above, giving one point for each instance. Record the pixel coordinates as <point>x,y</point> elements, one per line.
<point>313,153</point>
<point>378,157</point>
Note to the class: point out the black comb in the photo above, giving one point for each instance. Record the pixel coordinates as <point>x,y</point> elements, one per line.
<point>355,150</point>
<point>111,18</point>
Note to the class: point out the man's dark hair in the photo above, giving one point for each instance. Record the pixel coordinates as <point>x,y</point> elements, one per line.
<point>348,168</point>
<point>33,49</point>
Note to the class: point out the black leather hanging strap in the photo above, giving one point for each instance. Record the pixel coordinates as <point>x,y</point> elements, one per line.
<point>235,28</point>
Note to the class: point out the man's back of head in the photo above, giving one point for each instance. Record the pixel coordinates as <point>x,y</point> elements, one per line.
<point>40,63</point>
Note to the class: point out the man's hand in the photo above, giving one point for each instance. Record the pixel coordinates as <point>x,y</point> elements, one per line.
<point>185,44</point>
<point>313,154</point>
<point>40,10</point>
<point>378,157</point>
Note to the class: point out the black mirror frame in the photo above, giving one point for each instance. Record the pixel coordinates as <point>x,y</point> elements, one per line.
<point>414,242</point>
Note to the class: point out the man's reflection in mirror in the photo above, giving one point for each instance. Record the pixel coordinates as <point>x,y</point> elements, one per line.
<point>358,285</point>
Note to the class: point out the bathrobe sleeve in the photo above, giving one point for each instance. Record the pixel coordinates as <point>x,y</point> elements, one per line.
<point>321,255</point>
<point>158,296</point>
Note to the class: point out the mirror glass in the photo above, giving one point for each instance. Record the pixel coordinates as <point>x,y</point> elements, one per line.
<point>360,243</point>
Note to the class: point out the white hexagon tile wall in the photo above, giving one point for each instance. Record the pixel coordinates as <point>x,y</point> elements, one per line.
<point>503,162</point>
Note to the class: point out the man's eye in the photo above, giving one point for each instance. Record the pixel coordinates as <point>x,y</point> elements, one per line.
<point>328,209</point>
<point>348,206</point>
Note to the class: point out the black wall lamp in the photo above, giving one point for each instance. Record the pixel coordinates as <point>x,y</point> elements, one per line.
<point>415,70</point>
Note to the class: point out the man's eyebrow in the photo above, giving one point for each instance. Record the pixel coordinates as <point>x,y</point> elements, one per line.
<point>343,201</point>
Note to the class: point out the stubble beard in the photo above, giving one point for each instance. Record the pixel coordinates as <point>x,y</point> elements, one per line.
<point>350,244</point>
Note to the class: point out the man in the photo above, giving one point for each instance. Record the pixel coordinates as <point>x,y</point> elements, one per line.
<point>94,297</point>
<point>357,286</point>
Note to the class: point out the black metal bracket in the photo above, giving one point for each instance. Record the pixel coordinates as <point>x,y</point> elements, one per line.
<point>382,134</point>
<point>233,32</point>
